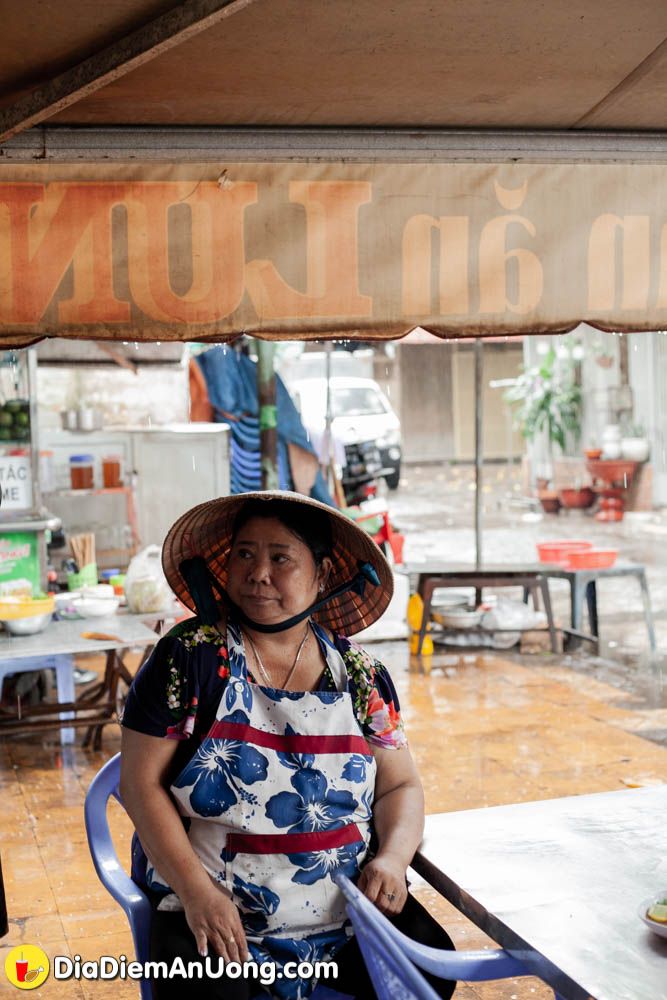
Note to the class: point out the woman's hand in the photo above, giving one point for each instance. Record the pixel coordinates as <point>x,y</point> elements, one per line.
<point>214,919</point>
<point>383,882</point>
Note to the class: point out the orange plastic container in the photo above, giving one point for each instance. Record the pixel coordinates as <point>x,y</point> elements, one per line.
<point>592,559</point>
<point>559,552</point>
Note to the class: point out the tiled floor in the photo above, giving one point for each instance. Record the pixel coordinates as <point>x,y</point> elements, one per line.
<point>484,731</point>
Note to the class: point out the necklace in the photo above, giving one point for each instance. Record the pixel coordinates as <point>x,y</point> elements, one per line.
<point>262,669</point>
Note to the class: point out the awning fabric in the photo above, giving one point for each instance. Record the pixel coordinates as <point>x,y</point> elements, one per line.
<point>304,250</point>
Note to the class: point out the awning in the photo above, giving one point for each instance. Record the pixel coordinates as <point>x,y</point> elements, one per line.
<point>311,250</point>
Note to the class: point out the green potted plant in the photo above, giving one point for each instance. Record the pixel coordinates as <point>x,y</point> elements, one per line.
<point>548,400</point>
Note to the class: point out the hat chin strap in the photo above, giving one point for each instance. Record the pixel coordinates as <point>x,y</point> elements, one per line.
<point>201,582</point>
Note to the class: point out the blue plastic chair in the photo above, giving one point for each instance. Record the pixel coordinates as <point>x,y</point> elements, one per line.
<point>127,893</point>
<point>391,957</point>
<point>110,872</point>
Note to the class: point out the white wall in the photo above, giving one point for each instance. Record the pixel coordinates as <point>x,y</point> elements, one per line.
<point>156,395</point>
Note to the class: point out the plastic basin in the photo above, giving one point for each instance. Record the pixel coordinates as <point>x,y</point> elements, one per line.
<point>559,552</point>
<point>592,559</point>
<point>19,608</point>
<point>577,499</point>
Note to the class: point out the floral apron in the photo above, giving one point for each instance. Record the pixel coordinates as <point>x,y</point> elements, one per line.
<point>279,796</point>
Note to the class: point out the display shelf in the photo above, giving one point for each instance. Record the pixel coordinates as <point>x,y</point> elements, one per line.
<point>122,491</point>
<point>102,491</point>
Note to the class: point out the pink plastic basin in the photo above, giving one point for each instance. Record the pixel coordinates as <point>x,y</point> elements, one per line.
<point>592,559</point>
<point>559,552</point>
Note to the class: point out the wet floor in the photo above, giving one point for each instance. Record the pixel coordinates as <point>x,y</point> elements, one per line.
<point>434,508</point>
<point>485,729</point>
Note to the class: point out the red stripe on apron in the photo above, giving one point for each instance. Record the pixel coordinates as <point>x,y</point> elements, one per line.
<point>289,743</point>
<point>292,843</point>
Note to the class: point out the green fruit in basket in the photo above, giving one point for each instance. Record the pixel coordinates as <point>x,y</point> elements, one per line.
<point>6,419</point>
<point>6,434</point>
<point>22,419</point>
<point>14,405</point>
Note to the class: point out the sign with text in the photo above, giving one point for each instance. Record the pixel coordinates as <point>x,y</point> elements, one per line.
<point>19,563</point>
<point>15,482</point>
<point>186,252</point>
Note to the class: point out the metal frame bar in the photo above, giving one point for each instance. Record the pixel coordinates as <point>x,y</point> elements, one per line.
<point>116,60</point>
<point>193,144</point>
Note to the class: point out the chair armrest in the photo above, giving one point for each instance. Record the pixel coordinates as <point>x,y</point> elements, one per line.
<point>471,966</point>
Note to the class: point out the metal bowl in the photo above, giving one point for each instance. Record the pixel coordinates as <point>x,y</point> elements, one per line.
<point>460,618</point>
<point>27,626</point>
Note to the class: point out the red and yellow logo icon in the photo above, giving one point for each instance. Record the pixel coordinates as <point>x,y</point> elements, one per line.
<point>26,966</point>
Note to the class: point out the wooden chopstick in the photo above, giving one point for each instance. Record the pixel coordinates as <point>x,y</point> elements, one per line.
<point>83,549</point>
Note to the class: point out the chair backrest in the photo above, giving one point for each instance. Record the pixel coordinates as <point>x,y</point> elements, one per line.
<point>110,872</point>
<point>391,956</point>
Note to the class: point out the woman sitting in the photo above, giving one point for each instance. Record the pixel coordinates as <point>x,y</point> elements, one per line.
<point>263,752</point>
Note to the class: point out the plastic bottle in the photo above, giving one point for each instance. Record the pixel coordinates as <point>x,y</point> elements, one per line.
<point>415,616</point>
<point>415,612</point>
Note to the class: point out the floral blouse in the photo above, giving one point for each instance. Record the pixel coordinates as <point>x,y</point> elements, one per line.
<point>176,693</point>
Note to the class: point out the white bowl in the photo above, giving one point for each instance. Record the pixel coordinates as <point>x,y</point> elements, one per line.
<point>460,618</point>
<point>450,599</point>
<point>96,607</point>
<point>653,925</point>
<point>100,590</point>
<point>28,626</point>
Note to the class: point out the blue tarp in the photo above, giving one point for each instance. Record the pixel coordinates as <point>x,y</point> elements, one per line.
<point>231,381</point>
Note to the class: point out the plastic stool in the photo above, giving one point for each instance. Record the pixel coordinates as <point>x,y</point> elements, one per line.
<point>64,668</point>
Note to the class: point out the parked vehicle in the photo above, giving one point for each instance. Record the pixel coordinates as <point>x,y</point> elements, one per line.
<point>362,420</point>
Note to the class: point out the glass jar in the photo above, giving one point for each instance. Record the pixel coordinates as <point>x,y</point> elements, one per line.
<point>111,472</point>
<point>82,471</point>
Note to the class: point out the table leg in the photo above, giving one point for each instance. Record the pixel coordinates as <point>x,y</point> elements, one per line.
<point>64,668</point>
<point>114,669</point>
<point>577,591</point>
<point>592,605</point>
<point>546,600</point>
<point>146,655</point>
<point>648,614</point>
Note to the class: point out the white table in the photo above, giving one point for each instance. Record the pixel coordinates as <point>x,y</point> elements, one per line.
<point>56,648</point>
<point>558,884</point>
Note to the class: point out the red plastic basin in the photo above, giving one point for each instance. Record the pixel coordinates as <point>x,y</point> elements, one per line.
<point>592,559</point>
<point>559,552</point>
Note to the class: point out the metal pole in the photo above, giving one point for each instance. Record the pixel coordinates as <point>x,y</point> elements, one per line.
<point>268,414</point>
<point>479,448</point>
<point>328,441</point>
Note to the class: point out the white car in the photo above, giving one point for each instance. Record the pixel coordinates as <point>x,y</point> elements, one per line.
<point>361,413</point>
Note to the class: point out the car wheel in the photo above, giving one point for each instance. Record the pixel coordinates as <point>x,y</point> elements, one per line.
<point>394,478</point>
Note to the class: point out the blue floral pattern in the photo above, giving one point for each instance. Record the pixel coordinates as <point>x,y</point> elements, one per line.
<point>219,771</point>
<point>315,865</point>
<point>311,806</point>
<point>253,787</point>
<point>356,767</point>
<point>314,948</point>
<point>295,761</point>
<point>257,903</point>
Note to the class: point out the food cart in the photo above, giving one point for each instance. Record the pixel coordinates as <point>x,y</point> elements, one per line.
<point>25,525</point>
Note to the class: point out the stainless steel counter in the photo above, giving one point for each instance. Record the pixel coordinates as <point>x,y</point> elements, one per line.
<point>558,883</point>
